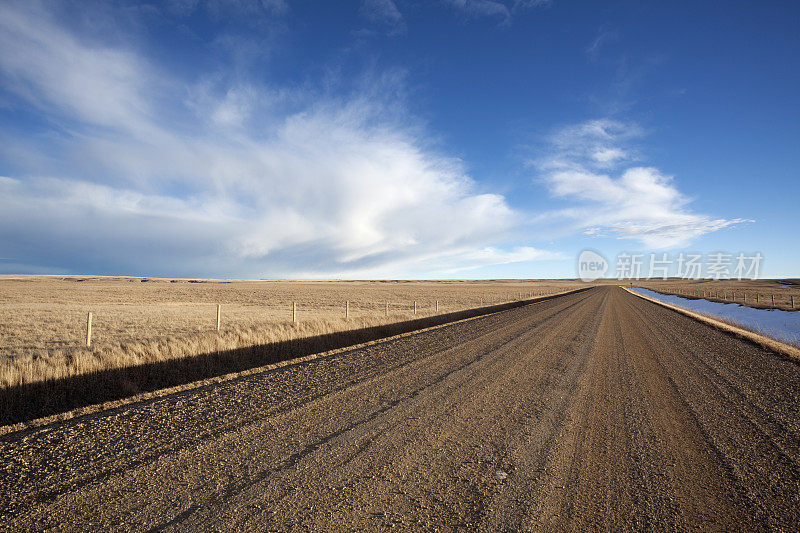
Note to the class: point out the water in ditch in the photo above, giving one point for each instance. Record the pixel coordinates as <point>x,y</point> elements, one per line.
<point>781,325</point>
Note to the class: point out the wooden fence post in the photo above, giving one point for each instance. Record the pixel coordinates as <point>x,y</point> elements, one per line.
<point>347,309</point>
<point>437,306</point>
<point>89,330</point>
<point>773,300</point>
<point>219,315</point>
<point>415,307</point>
<point>792,301</point>
<point>386,312</point>
<point>294,311</point>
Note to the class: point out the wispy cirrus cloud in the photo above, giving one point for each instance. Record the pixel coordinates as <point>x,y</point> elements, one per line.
<point>604,37</point>
<point>225,8</point>
<point>594,165</point>
<point>502,10</point>
<point>384,14</point>
<point>158,174</point>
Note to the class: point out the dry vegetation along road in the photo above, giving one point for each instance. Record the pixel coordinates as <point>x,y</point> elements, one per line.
<point>604,410</point>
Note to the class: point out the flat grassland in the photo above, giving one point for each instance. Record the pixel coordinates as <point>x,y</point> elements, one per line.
<point>43,318</point>
<point>139,320</point>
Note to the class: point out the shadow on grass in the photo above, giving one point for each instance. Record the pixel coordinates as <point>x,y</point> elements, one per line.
<point>36,400</point>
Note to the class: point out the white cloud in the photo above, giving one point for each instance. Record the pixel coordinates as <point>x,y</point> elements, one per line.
<point>226,8</point>
<point>494,8</point>
<point>481,8</point>
<point>493,256</point>
<point>604,37</point>
<point>383,13</point>
<point>52,69</point>
<point>525,4</point>
<point>608,156</point>
<point>640,203</point>
<point>221,183</point>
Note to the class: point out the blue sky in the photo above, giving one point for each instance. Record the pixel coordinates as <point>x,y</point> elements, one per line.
<point>381,138</point>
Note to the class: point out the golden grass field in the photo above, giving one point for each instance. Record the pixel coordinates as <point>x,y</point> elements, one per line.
<point>43,318</point>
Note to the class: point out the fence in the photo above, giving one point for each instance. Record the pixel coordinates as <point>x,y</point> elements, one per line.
<point>387,309</point>
<point>754,299</point>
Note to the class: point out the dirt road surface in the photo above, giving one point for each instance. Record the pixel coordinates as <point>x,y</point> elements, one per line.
<point>595,410</point>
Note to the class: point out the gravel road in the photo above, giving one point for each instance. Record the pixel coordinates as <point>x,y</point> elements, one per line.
<point>595,410</point>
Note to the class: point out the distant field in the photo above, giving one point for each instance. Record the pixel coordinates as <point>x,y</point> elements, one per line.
<point>43,318</point>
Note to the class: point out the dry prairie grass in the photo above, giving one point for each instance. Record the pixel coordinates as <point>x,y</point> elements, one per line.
<point>42,318</point>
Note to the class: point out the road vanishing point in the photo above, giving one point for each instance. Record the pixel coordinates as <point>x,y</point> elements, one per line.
<point>595,410</point>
